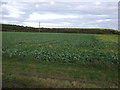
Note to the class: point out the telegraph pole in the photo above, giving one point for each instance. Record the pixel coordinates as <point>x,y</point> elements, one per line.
<point>39,26</point>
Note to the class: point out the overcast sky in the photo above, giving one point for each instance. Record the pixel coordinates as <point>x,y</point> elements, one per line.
<point>61,14</point>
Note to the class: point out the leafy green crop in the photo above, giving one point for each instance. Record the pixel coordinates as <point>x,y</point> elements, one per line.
<point>64,48</point>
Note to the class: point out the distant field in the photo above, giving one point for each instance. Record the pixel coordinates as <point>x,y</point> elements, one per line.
<point>59,60</point>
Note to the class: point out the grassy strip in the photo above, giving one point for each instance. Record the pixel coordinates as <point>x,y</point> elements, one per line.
<point>28,73</point>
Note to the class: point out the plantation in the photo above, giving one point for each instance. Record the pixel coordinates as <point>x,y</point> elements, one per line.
<point>77,60</point>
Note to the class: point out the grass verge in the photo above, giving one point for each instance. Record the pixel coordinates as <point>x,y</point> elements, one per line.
<point>19,73</point>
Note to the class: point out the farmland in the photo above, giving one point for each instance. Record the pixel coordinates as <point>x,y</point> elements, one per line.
<point>59,60</point>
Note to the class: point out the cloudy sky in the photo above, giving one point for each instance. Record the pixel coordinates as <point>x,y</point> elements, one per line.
<point>73,14</point>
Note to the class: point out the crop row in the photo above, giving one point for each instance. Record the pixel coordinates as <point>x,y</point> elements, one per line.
<point>64,56</point>
<point>66,48</point>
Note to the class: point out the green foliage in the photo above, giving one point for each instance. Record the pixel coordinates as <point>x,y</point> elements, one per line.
<point>40,60</point>
<point>16,28</point>
<point>63,48</point>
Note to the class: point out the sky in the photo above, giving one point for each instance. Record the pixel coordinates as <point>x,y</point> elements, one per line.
<point>60,13</point>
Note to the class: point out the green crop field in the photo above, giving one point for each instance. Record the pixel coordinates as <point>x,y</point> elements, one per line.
<point>54,60</point>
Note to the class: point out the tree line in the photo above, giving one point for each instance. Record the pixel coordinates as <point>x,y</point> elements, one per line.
<point>18,28</point>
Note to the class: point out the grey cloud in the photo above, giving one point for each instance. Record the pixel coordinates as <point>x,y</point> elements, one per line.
<point>87,13</point>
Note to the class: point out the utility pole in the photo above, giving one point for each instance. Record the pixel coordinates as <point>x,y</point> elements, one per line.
<point>39,26</point>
